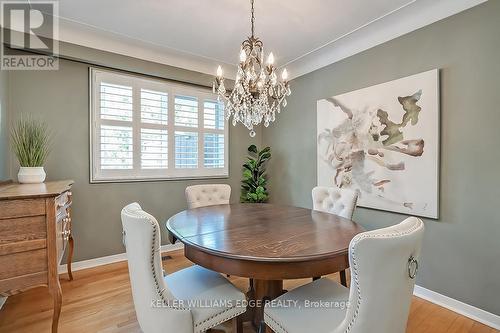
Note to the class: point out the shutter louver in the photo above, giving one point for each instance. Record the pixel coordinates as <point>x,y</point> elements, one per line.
<point>186,111</point>
<point>154,107</point>
<point>186,150</point>
<point>116,147</point>
<point>213,115</point>
<point>115,102</point>
<point>154,149</point>
<point>214,150</point>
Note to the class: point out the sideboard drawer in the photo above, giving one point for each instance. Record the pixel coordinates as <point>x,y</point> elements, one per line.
<point>22,229</point>
<point>23,263</point>
<point>20,208</point>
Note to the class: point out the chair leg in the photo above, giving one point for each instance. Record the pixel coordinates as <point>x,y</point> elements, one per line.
<point>237,325</point>
<point>343,279</point>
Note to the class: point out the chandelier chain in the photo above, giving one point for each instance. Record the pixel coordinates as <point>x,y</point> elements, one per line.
<point>253,19</point>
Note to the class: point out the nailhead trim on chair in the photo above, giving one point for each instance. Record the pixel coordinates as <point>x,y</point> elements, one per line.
<point>220,321</point>
<point>274,328</point>
<point>155,277</point>
<point>161,291</point>
<point>355,241</point>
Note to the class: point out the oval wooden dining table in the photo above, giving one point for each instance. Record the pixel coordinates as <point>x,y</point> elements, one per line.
<point>264,242</point>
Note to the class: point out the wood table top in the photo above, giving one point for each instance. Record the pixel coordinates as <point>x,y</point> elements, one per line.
<point>10,190</point>
<point>264,232</point>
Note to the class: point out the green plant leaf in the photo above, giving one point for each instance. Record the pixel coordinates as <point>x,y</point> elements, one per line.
<point>253,184</point>
<point>265,150</point>
<point>252,149</point>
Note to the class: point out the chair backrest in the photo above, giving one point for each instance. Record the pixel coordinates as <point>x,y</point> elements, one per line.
<point>383,263</point>
<point>152,297</point>
<point>207,195</point>
<point>334,200</point>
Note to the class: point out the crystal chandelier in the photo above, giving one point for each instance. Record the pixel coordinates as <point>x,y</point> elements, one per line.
<point>257,94</point>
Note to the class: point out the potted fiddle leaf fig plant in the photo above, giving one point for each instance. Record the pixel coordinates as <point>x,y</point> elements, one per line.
<point>31,144</point>
<point>253,185</point>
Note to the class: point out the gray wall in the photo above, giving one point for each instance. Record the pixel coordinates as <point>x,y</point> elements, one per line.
<point>4,129</point>
<point>461,251</point>
<point>62,99</point>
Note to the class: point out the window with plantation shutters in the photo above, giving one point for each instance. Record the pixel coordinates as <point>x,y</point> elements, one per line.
<point>144,129</point>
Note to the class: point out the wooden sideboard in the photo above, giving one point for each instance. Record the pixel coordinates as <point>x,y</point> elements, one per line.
<point>35,229</point>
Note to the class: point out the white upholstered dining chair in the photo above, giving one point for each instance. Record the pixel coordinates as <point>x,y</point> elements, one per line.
<point>383,264</point>
<point>335,200</point>
<point>165,303</point>
<point>207,195</point>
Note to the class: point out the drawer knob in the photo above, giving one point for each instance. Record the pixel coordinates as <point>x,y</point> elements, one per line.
<point>66,234</point>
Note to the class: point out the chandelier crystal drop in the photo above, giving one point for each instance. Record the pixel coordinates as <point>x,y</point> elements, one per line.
<point>258,93</point>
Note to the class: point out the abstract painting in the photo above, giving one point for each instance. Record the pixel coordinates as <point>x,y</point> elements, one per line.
<point>383,141</point>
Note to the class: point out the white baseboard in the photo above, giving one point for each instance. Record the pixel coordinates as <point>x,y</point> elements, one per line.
<point>76,266</point>
<point>464,309</point>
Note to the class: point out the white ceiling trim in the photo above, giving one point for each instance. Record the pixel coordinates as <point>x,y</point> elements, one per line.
<point>405,19</point>
<point>92,37</point>
<point>89,36</point>
<point>348,33</point>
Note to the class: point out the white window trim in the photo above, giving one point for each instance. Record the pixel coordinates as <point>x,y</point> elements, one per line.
<point>98,175</point>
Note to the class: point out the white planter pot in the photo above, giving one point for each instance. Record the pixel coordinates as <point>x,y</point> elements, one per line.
<point>31,175</point>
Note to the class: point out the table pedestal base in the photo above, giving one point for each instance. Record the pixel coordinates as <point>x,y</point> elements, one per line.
<point>260,292</point>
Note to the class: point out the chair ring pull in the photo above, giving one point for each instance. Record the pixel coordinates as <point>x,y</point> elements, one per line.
<point>412,267</point>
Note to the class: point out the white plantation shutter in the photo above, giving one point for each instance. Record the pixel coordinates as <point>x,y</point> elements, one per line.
<point>214,150</point>
<point>116,147</point>
<point>116,102</point>
<point>213,115</point>
<point>154,148</point>
<point>143,129</point>
<point>154,107</point>
<point>186,150</point>
<point>186,111</point>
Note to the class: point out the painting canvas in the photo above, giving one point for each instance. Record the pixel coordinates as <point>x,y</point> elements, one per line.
<point>383,141</point>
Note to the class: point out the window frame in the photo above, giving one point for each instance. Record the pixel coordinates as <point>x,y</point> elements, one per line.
<point>136,174</point>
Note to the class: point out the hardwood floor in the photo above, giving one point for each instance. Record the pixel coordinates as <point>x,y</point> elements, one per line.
<point>100,300</point>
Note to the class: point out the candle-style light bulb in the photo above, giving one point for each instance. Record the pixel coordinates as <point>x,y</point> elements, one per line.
<point>243,56</point>
<point>219,71</point>
<point>270,59</point>
<point>284,74</point>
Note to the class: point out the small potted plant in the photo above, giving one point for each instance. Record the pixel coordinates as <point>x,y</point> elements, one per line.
<point>254,183</point>
<point>31,144</point>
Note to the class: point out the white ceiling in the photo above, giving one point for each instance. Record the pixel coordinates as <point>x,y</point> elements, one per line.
<point>196,34</point>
